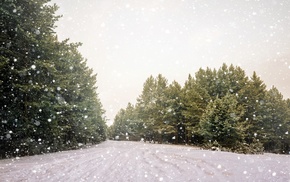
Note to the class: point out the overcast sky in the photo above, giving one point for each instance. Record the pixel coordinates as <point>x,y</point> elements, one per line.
<point>125,41</point>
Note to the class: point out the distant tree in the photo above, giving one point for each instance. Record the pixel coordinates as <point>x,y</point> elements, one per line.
<point>252,97</point>
<point>127,124</point>
<point>227,79</point>
<point>151,108</point>
<point>146,105</point>
<point>274,132</point>
<point>159,127</point>
<point>173,117</point>
<point>230,80</point>
<point>207,79</point>
<point>220,122</point>
<point>194,102</point>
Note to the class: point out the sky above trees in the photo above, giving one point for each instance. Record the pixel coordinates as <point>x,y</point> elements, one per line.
<point>127,41</point>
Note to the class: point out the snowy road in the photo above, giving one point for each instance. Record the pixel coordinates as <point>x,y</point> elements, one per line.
<point>136,161</point>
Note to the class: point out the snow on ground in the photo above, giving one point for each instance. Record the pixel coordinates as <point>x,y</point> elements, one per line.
<point>138,161</point>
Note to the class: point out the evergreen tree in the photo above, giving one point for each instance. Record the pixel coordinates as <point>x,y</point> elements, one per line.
<point>120,124</point>
<point>151,107</point>
<point>126,124</point>
<point>173,117</point>
<point>207,79</point>
<point>220,122</point>
<point>146,105</point>
<point>26,35</point>
<point>252,98</point>
<point>161,127</point>
<point>225,80</point>
<point>275,124</point>
<point>135,125</point>
<point>48,95</point>
<point>194,102</point>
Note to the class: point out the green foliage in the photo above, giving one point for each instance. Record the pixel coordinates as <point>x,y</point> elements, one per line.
<point>127,125</point>
<point>255,147</point>
<point>194,101</point>
<point>48,95</point>
<point>220,122</point>
<point>217,108</point>
<point>252,98</point>
<point>152,108</point>
<point>274,132</point>
<point>173,117</point>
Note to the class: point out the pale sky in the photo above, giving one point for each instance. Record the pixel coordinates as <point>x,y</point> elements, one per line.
<point>126,41</point>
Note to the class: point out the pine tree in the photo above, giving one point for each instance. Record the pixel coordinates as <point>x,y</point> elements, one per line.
<point>26,35</point>
<point>220,122</point>
<point>207,79</point>
<point>252,98</point>
<point>41,102</point>
<point>160,126</point>
<point>225,80</point>
<point>194,102</point>
<point>173,118</point>
<point>135,125</point>
<point>126,125</point>
<point>145,106</point>
<point>275,123</point>
<point>151,107</point>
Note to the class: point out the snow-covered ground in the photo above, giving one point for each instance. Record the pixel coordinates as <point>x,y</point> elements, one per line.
<point>138,161</point>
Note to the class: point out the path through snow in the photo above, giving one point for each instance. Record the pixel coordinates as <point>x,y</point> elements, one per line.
<point>138,161</point>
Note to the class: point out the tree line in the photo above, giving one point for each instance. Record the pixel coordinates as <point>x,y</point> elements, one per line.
<point>48,96</point>
<point>216,108</point>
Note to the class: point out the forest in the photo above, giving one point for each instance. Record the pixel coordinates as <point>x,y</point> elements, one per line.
<point>48,94</point>
<point>221,108</point>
